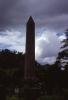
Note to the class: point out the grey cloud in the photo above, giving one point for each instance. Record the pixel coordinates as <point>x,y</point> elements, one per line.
<point>3,33</point>
<point>4,46</point>
<point>11,12</point>
<point>47,47</point>
<point>52,7</point>
<point>14,13</point>
<point>52,14</point>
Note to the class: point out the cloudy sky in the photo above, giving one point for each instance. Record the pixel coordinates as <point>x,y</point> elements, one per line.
<point>50,16</point>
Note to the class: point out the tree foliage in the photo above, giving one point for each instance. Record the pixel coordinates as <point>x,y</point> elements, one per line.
<point>63,54</point>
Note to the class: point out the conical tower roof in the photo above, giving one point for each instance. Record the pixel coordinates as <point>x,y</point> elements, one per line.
<point>30,20</point>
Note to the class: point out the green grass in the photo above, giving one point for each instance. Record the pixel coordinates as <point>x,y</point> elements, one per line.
<point>14,98</point>
<point>49,98</point>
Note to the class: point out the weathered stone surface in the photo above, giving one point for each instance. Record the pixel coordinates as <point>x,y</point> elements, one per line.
<point>30,50</point>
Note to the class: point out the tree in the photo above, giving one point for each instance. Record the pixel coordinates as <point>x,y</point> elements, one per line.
<point>63,54</point>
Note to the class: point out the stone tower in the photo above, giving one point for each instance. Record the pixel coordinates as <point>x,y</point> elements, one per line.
<point>30,50</point>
